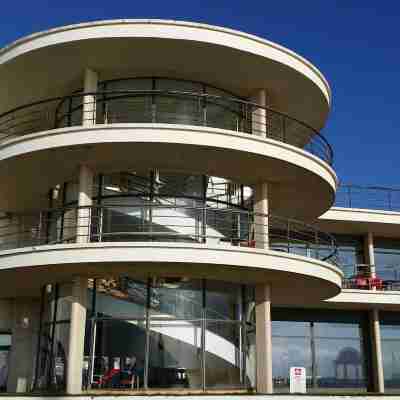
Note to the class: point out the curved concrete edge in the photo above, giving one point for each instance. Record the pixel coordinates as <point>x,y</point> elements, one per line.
<point>170,29</point>
<point>367,299</point>
<point>257,264</point>
<point>169,133</point>
<point>360,221</point>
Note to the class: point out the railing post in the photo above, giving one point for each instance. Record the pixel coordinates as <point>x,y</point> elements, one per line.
<point>349,195</point>
<point>204,226</point>
<point>39,232</point>
<point>284,138</point>
<point>204,105</point>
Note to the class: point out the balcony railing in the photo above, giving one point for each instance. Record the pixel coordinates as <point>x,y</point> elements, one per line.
<point>159,223</point>
<point>368,197</point>
<point>386,278</point>
<point>168,107</point>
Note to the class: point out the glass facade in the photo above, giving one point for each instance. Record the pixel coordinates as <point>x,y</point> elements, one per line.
<point>390,337</point>
<point>52,360</point>
<point>329,344</point>
<point>387,259</point>
<point>169,333</point>
<point>350,253</point>
<point>158,100</point>
<point>5,348</point>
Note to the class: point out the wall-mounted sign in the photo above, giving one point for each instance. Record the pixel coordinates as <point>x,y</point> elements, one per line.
<point>298,380</point>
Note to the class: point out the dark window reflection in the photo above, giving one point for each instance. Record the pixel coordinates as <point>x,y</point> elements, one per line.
<point>390,337</point>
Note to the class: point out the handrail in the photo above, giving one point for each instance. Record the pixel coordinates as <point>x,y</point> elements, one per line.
<point>117,106</point>
<point>368,197</point>
<point>155,222</point>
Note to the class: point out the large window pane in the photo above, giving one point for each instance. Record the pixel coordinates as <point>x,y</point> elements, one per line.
<point>387,258</point>
<point>5,347</point>
<point>329,344</point>
<point>175,354</point>
<point>390,337</point>
<point>339,355</point>
<point>119,356</point>
<point>176,298</point>
<point>291,348</point>
<point>350,253</point>
<point>223,300</point>
<point>121,297</point>
<point>224,363</point>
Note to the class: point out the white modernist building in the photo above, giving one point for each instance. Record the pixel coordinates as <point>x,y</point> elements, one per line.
<point>167,220</point>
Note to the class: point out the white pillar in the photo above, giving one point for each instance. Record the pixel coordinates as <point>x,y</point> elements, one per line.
<point>377,362</point>
<point>263,339</point>
<point>261,220</point>
<point>258,117</point>
<point>369,253</point>
<point>77,336</point>
<point>261,205</point>
<point>24,345</point>
<point>84,202</point>
<point>89,101</point>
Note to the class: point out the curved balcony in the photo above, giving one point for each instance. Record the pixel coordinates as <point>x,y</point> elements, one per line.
<point>143,240</point>
<point>163,107</point>
<point>164,223</point>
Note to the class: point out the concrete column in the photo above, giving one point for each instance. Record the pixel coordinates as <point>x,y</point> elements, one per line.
<point>24,345</point>
<point>85,201</point>
<point>369,253</point>
<point>77,335</point>
<point>377,362</point>
<point>263,339</point>
<point>89,101</point>
<point>258,117</point>
<point>261,204</point>
<point>261,220</point>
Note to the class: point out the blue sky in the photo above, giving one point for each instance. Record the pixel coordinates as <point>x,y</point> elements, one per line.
<point>354,43</point>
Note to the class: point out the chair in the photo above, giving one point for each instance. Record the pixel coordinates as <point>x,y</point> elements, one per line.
<point>376,283</point>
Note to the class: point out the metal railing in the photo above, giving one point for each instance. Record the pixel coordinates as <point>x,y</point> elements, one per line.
<point>161,106</point>
<point>164,223</point>
<point>368,197</point>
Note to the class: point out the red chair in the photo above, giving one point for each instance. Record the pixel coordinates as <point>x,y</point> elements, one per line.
<point>107,377</point>
<point>376,283</point>
<point>361,283</point>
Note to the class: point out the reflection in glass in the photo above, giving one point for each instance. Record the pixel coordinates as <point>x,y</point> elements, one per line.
<point>330,350</point>
<point>223,361</point>
<point>5,348</point>
<point>387,258</point>
<point>223,301</point>
<point>121,297</point>
<point>390,339</point>
<point>175,354</point>
<point>119,355</point>
<point>176,298</point>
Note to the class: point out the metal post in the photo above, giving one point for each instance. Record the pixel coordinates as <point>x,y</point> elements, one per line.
<point>53,330</point>
<point>203,334</point>
<point>314,370</point>
<point>147,351</point>
<point>39,343</point>
<point>93,329</point>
